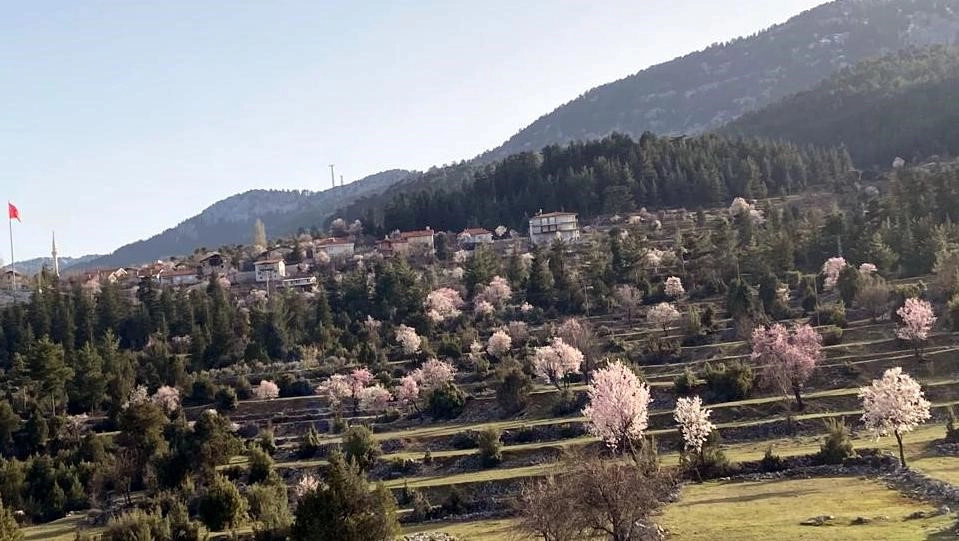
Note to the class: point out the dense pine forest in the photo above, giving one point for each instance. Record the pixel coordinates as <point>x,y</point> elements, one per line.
<point>902,104</point>
<point>613,175</point>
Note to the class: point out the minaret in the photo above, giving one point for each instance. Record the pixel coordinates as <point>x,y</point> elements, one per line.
<point>56,260</point>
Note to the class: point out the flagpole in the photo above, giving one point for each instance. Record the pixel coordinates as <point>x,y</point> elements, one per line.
<point>13,266</point>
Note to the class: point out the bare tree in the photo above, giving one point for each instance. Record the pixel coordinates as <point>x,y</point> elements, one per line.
<point>596,497</point>
<point>628,298</point>
<point>873,297</point>
<point>578,332</point>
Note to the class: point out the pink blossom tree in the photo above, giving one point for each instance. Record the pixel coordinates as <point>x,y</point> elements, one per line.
<point>433,375</point>
<point>694,424</point>
<point>663,315</point>
<point>408,340</point>
<point>168,398</point>
<point>831,270</point>
<point>483,308</point>
<point>443,304</point>
<point>497,292</point>
<point>618,409</point>
<point>789,358</point>
<point>499,344</point>
<point>867,269</point>
<point>917,319</point>
<point>628,298</point>
<point>673,287</point>
<point>407,392</point>
<point>267,390</point>
<point>374,398</point>
<point>556,362</point>
<point>894,403</point>
<point>335,390</point>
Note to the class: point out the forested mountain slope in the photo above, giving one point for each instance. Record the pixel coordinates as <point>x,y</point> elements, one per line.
<point>706,89</point>
<point>903,104</point>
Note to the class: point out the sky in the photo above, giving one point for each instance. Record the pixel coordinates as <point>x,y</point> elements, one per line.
<point>120,119</point>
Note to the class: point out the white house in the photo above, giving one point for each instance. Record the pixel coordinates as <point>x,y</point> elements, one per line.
<point>270,270</point>
<point>545,228</point>
<point>472,236</point>
<point>178,277</point>
<point>335,248</point>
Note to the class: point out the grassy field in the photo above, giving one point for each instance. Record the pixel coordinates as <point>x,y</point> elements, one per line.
<point>773,510</point>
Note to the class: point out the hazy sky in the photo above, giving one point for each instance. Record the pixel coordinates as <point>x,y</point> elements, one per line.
<point>119,119</point>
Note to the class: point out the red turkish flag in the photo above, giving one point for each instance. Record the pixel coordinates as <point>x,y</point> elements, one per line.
<point>13,212</point>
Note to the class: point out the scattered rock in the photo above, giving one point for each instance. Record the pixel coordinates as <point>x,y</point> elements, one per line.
<point>859,521</point>
<point>821,520</point>
<point>918,515</point>
<point>943,510</point>
<point>429,536</point>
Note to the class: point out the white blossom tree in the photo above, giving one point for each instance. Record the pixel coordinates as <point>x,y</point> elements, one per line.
<point>628,299</point>
<point>663,315</point>
<point>556,362</point>
<point>694,424</point>
<point>443,304</point>
<point>831,269</point>
<point>267,390</point>
<point>917,318</point>
<point>433,374</point>
<point>674,287</point>
<point>894,403</point>
<point>407,392</point>
<point>499,344</point>
<point>374,398</point>
<point>168,398</point>
<point>497,292</point>
<point>618,409</point>
<point>409,341</point>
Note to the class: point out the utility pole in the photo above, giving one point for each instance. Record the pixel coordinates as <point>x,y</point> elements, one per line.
<point>341,180</point>
<point>332,176</point>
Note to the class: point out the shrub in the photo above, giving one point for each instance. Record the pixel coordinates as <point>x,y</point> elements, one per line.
<point>566,403</point>
<point>310,444</point>
<point>267,441</point>
<point>952,431</point>
<point>447,402</point>
<point>952,308</point>
<point>244,391</point>
<point>809,300</point>
<point>490,447</point>
<point>686,384</point>
<point>837,446</point>
<point>339,424</point>
<point>421,506</point>
<point>513,387</point>
<point>831,335</point>
<point>661,350</point>
<point>771,462</point>
<point>834,314</point>
<point>261,466</point>
<point>455,503</point>
<point>360,447</point>
<point>728,382</point>
<point>464,440</point>
<point>226,399</point>
<point>714,462</point>
<point>222,506</point>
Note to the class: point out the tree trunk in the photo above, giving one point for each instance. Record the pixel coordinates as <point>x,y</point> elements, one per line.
<point>902,455</point>
<point>797,391</point>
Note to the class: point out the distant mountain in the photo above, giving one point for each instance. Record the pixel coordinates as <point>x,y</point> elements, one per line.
<point>230,221</point>
<point>704,90</point>
<point>33,266</point>
<point>900,105</point>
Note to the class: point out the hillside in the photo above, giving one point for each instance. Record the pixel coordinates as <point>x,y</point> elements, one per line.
<point>900,105</point>
<point>230,221</point>
<point>706,89</point>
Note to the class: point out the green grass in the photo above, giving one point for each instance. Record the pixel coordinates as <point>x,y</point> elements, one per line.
<point>481,530</point>
<point>773,510</point>
<point>58,530</point>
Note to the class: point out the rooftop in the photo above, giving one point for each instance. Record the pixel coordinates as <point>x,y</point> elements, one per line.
<point>554,214</point>
<point>474,231</point>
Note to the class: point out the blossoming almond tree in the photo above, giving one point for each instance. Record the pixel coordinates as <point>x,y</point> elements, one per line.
<point>663,315</point>
<point>894,403</point>
<point>789,358</point>
<point>556,362</point>
<point>407,392</point>
<point>168,398</point>
<point>499,344</point>
<point>497,292</point>
<point>917,319</point>
<point>618,409</point>
<point>694,424</point>
<point>374,398</point>
<point>831,270</point>
<point>408,340</point>
<point>443,304</point>
<point>674,287</point>
<point>433,375</point>
<point>628,298</point>
<point>267,390</point>
<point>335,390</point>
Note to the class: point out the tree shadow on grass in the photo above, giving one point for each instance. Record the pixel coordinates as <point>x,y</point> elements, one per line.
<point>752,497</point>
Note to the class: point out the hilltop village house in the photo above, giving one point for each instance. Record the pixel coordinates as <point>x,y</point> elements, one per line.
<point>472,236</point>
<point>336,248</point>
<point>407,243</point>
<point>270,270</point>
<point>545,228</point>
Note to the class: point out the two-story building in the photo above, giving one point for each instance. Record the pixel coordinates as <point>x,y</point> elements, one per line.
<point>472,236</point>
<point>407,243</point>
<point>213,263</point>
<point>269,270</point>
<point>336,248</point>
<point>178,277</point>
<point>545,228</point>
<point>9,277</point>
